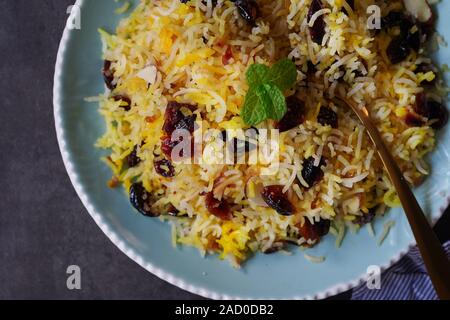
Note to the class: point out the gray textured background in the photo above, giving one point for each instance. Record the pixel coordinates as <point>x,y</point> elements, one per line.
<point>43,226</point>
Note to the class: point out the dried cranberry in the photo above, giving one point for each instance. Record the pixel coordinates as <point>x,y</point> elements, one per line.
<point>164,168</point>
<point>219,208</point>
<point>228,55</point>
<point>132,159</point>
<point>174,119</point>
<point>125,99</point>
<point>322,227</point>
<point>430,109</point>
<point>328,117</point>
<point>314,232</point>
<point>142,200</point>
<point>174,116</point>
<point>398,50</point>
<point>421,105</point>
<point>438,113</point>
<point>400,47</point>
<point>171,117</point>
<point>248,9</point>
<point>317,31</point>
<point>312,174</point>
<point>277,200</point>
<point>294,116</point>
<point>108,75</point>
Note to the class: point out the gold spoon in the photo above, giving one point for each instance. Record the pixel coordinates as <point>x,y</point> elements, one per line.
<point>434,257</point>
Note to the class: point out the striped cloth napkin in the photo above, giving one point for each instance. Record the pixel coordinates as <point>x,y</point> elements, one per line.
<point>406,280</point>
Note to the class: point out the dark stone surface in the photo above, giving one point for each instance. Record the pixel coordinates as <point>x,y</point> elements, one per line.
<point>43,226</point>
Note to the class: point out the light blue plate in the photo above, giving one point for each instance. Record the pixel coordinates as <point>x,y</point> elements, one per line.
<point>148,241</point>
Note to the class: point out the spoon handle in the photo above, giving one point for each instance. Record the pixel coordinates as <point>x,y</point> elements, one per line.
<point>434,257</point>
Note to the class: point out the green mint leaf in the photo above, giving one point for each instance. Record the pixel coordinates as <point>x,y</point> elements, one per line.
<point>253,112</point>
<point>272,99</point>
<point>265,97</point>
<point>257,74</point>
<point>283,74</point>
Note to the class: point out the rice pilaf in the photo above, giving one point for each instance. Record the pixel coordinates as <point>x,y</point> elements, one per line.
<point>168,54</point>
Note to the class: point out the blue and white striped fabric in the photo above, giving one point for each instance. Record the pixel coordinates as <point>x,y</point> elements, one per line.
<point>406,280</point>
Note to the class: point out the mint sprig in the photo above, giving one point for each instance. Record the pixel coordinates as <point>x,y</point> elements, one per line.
<point>265,98</point>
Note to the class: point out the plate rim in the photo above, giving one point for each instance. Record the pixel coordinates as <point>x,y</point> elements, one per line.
<point>132,254</point>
